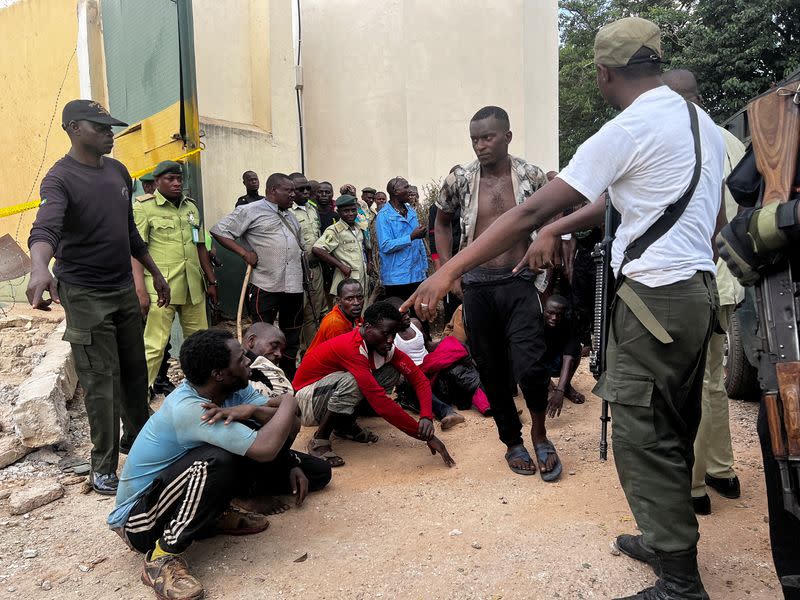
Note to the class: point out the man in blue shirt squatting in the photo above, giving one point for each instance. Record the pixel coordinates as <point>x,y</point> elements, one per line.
<point>214,439</point>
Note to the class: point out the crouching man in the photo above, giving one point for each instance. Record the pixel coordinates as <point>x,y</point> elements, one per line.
<point>213,439</point>
<point>335,376</point>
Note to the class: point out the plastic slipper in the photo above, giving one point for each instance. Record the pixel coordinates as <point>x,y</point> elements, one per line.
<point>520,452</point>
<point>544,450</point>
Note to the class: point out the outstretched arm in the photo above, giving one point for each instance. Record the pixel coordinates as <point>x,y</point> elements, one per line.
<point>511,228</point>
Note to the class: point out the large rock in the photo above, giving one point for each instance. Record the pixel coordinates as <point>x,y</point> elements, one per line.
<point>11,449</point>
<point>40,414</point>
<point>34,496</point>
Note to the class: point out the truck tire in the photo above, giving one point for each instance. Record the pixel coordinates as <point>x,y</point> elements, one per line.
<point>741,379</point>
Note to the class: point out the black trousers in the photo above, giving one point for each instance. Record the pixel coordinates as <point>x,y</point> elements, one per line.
<point>784,528</point>
<point>183,503</point>
<point>402,291</point>
<point>504,324</point>
<point>288,308</point>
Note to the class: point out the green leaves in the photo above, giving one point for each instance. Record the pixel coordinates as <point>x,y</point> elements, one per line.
<point>736,49</point>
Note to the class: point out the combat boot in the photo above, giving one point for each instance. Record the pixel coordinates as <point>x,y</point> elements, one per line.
<point>679,579</point>
<point>634,547</point>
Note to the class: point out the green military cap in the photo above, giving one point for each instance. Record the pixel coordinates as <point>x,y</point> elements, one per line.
<point>167,166</point>
<point>346,200</point>
<point>370,190</point>
<point>617,42</point>
<point>147,177</point>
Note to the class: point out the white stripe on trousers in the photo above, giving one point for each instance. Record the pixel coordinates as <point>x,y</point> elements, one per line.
<point>172,492</point>
<point>191,501</point>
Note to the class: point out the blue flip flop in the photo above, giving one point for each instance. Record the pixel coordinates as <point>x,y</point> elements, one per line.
<point>520,452</point>
<point>544,450</point>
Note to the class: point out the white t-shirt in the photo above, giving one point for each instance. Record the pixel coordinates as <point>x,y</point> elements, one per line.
<point>645,158</point>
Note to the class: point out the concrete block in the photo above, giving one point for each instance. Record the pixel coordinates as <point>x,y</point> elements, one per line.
<point>32,497</point>
<point>11,450</point>
<point>40,414</point>
<point>16,321</point>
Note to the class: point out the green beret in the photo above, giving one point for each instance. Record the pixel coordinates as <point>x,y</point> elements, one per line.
<point>147,177</point>
<point>346,200</point>
<point>167,166</point>
<point>370,190</point>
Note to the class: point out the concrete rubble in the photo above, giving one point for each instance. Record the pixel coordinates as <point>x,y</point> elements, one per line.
<point>40,415</point>
<point>31,497</point>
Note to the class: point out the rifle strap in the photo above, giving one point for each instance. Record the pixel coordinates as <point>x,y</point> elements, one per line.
<point>295,232</point>
<point>674,211</point>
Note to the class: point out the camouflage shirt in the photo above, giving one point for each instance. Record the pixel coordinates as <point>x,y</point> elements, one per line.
<point>460,188</point>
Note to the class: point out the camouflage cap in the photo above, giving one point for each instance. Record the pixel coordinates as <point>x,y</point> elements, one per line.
<point>617,42</point>
<point>167,166</point>
<point>346,200</point>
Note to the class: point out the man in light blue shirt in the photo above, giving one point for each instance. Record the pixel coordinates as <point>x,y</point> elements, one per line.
<point>403,258</point>
<point>213,439</point>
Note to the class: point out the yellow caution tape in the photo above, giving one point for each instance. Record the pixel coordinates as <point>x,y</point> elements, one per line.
<point>14,209</point>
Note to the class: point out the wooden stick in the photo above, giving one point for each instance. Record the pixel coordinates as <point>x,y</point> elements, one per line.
<point>247,275</point>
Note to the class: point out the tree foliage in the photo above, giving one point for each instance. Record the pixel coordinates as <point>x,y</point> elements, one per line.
<point>736,48</point>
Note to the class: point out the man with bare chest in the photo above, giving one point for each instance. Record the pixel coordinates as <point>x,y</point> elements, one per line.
<point>502,310</point>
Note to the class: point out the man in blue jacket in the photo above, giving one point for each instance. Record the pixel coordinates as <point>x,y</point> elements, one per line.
<point>403,258</point>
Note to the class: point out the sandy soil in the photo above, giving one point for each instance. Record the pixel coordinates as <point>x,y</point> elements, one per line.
<point>385,528</point>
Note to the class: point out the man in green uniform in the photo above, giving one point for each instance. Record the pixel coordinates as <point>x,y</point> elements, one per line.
<point>170,225</point>
<point>162,384</point>
<point>342,245</point>
<point>315,304</point>
<point>659,152</point>
<point>148,182</point>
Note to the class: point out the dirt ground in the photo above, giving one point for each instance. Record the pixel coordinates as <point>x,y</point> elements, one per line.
<point>396,523</point>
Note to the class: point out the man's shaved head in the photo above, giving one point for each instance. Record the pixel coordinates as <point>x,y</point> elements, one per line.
<point>683,82</point>
<point>264,339</point>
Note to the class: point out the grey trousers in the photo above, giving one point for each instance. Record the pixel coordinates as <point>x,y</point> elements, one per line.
<point>338,392</point>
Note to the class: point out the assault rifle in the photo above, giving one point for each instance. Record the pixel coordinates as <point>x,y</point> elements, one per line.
<point>774,120</point>
<point>603,296</point>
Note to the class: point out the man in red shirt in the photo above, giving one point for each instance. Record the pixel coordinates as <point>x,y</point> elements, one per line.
<point>345,316</point>
<point>337,374</point>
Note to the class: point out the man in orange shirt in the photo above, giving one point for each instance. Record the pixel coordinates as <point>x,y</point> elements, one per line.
<point>346,314</point>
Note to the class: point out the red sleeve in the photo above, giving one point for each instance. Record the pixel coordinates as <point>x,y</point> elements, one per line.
<point>418,381</point>
<point>377,398</point>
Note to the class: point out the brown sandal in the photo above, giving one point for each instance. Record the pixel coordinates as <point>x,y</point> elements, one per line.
<point>318,448</point>
<point>239,522</point>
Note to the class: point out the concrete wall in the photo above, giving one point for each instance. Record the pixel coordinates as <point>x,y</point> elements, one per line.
<point>390,85</point>
<point>245,87</point>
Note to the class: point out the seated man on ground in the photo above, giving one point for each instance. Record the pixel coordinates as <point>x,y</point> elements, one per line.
<point>412,341</point>
<point>336,375</point>
<point>563,354</point>
<point>346,313</point>
<point>196,454</point>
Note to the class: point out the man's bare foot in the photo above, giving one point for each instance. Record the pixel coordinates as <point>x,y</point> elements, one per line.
<point>452,420</point>
<point>519,461</point>
<point>574,395</point>
<point>265,505</point>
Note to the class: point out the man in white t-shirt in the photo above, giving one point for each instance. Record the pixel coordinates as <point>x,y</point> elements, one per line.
<point>667,301</point>
<point>713,450</point>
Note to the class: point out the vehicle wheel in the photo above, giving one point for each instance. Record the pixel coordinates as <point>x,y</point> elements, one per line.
<point>741,379</point>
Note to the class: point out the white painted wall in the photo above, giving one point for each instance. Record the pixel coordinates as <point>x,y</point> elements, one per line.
<point>390,85</point>
<point>245,88</point>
